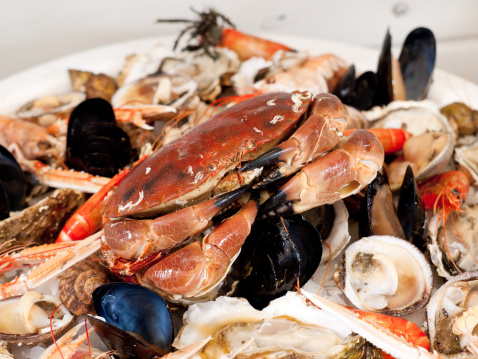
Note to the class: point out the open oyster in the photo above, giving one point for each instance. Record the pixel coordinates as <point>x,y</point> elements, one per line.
<point>288,327</point>
<point>466,157</point>
<point>385,274</point>
<point>454,250</point>
<point>451,317</point>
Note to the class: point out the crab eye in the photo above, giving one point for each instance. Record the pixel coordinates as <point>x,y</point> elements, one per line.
<point>250,144</point>
<point>212,167</point>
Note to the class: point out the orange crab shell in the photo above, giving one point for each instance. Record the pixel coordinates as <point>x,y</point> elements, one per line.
<point>189,168</point>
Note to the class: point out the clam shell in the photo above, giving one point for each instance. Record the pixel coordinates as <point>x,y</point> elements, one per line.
<point>385,274</point>
<point>13,310</point>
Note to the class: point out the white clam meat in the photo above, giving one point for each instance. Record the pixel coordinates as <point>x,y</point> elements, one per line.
<point>385,274</point>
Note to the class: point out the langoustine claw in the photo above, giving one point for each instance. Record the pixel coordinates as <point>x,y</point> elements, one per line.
<point>380,337</point>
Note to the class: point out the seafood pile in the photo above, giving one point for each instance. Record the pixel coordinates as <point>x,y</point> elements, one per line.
<point>241,199</point>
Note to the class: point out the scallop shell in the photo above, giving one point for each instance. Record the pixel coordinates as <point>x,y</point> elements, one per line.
<point>77,284</point>
<point>385,274</point>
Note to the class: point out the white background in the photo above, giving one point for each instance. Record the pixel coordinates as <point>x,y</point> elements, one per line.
<point>35,31</point>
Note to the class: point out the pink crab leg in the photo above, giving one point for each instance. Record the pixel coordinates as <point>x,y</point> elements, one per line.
<point>319,134</point>
<point>196,267</point>
<point>378,336</point>
<point>336,175</point>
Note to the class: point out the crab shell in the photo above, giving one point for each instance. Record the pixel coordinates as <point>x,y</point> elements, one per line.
<point>188,169</point>
<point>385,274</point>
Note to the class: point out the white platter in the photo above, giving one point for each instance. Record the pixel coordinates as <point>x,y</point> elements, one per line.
<point>52,77</point>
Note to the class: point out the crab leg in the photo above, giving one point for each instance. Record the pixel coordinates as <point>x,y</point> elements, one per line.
<point>378,336</point>
<point>320,133</point>
<point>137,239</point>
<point>61,261</point>
<point>197,267</point>
<point>338,174</point>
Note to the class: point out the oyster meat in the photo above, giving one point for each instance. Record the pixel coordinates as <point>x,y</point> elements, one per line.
<point>451,317</point>
<point>454,250</point>
<point>288,327</point>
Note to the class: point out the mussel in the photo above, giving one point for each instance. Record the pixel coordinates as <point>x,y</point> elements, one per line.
<point>378,215</point>
<point>94,143</point>
<point>277,253</point>
<point>407,78</point>
<point>12,184</point>
<point>137,321</point>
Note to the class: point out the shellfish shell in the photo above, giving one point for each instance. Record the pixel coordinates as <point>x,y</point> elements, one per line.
<point>385,274</point>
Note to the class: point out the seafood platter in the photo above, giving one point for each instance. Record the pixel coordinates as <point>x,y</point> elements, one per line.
<point>223,195</point>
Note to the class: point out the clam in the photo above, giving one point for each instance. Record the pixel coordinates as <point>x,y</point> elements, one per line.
<point>454,250</point>
<point>430,148</point>
<point>385,274</point>
<point>287,327</point>
<point>46,110</point>
<point>451,317</point>
<point>159,97</point>
<point>26,319</point>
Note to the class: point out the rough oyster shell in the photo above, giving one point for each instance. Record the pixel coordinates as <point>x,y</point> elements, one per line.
<point>385,274</point>
<point>467,156</point>
<point>461,248</point>
<point>449,303</point>
<point>291,311</point>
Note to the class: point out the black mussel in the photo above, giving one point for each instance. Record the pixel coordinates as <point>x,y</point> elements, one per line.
<point>12,184</point>
<point>322,218</point>
<point>364,91</point>
<point>385,90</point>
<point>278,252</point>
<point>411,212</point>
<point>137,310</point>
<point>357,92</point>
<point>378,215</point>
<point>346,85</point>
<point>417,62</point>
<point>95,144</point>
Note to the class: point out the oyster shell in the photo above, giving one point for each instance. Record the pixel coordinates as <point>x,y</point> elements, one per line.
<point>46,110</point>
<point>448,308</point>
<point>466,156</point>
<point>455,249</point>
<point>385,274</point>
<point>288,327</point>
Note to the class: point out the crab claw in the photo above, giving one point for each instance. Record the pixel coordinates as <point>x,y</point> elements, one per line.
<point>320,133</point>
<point>336,175</point>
